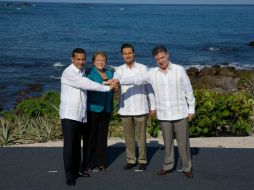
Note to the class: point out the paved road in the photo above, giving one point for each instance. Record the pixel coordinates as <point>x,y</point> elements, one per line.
<point>42,169</point>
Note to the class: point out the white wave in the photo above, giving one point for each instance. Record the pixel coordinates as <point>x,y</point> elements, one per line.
<point>54,77</point>
<point>237,66</point>
<point>199,67</point>
<point>241,66</point>
<point>122,9</point>
<point>213,49</point>
<point>58,64</point>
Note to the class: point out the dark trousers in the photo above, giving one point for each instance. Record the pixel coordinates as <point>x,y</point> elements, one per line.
<point>72,148</point>
<point>95,139</point>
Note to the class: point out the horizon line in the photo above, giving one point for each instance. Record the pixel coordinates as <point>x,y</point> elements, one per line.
<point>126,3</point>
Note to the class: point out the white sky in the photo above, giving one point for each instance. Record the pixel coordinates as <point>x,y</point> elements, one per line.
<point>150,1</point>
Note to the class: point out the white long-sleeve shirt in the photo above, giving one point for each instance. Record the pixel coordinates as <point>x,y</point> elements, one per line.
<point>133,99</point>
<point>173,91</point>
<point>74,94</point>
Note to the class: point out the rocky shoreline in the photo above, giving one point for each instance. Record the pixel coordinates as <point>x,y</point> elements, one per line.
<point>218,78</point>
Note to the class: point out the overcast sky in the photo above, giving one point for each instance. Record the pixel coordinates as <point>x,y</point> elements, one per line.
<point>151,1</point>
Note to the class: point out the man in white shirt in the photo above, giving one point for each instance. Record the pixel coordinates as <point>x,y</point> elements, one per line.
<point>175,105</point>
<point>134,108</point>
<point>73,112</point>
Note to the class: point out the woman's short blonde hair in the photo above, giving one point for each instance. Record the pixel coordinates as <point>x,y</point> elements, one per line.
<point>101,53</point>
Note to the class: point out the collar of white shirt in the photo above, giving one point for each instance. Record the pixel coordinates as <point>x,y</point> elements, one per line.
<point>170,67</point>
<point>77,70</point>
<point>133,66</point>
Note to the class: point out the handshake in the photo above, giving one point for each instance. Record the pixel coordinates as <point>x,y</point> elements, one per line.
<point>113,83</point>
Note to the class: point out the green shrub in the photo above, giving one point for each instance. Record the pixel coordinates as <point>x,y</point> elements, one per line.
<point>153,127</point>
<point>247,83</point>
<point>23,130</point>
<point>217,115</point>
<point>37,119</point>
<point>39,106</point>
<point>115,128</point>
<point>220,114</point>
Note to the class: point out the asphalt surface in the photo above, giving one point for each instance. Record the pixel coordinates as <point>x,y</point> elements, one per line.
<point>26,168</point>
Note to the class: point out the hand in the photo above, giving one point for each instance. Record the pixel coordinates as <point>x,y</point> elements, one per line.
<point>190,116</point>
<point>108,82</point>
<point>152,113</point>
<point>113,83</point>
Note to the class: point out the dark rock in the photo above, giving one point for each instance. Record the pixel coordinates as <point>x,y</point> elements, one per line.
<point>228,84</point>
<point>216,67</point>
<point>251,44</point>
<point>213,71</point>
<point>9,4</point>
<point>204,71</point>
<point>34,87</point>
<point>227,71</point>
<point>217,78</point>
<point>2,86</point>
<point>29,89</point>
<point>26,4</point>
<point>193,71</point>
<point>24,92</point>
<point>208,71</point>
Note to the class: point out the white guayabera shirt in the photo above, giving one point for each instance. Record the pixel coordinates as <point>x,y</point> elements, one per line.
<point>74,93</point>
<point>133,99</point>
<point>173,91</point>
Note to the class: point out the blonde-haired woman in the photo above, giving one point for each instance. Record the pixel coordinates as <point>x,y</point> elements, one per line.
<point>100,108</point>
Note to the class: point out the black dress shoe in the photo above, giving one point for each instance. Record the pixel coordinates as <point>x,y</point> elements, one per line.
<point>188,174</point>
<point>84,174</point>
<point>101,168</point>
<point>129,166</point>
<point>71,182</point>
<point>142,166</point>
<point>163,172</point>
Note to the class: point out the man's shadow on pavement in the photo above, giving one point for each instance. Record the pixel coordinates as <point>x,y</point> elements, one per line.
<point>194,152</point>
<point>114,151</point>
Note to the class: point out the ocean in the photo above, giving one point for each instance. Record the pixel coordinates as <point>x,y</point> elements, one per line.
<point>36,39</point>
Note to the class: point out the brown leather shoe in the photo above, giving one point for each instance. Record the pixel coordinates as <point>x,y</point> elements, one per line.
<point>188,174</point>
<point>128,166</point>
<point>101,168</point>
<point>163,172</point>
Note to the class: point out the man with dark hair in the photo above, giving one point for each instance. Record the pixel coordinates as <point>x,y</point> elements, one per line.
<point>175,105</point>
<point>73,112</point>
<point>127,45</point>
<point>134,107</point>
<point>158,49</point>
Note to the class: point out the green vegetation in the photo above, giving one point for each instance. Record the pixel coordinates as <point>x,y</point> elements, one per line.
<point>247,83</point>
<point>115,129</point>
<point>32,120</point>
<point>37,119</point>
<point>221,114</point>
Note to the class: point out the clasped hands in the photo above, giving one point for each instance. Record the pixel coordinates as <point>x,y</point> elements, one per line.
<point>113,83</point>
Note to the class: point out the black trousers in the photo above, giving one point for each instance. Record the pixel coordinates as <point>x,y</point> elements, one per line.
<point>95,139</point>
<point>72,148</point>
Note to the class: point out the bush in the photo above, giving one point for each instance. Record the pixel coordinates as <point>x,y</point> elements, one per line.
<point>37,119</point>
<point>153,127</point>
<point>221,114</point>
<point>32,120</point>
<point>40,106</point>
<point>246,83</point>
<point>115,128</point>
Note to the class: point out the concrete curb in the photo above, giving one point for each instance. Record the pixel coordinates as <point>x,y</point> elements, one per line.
<point>211,142</point>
